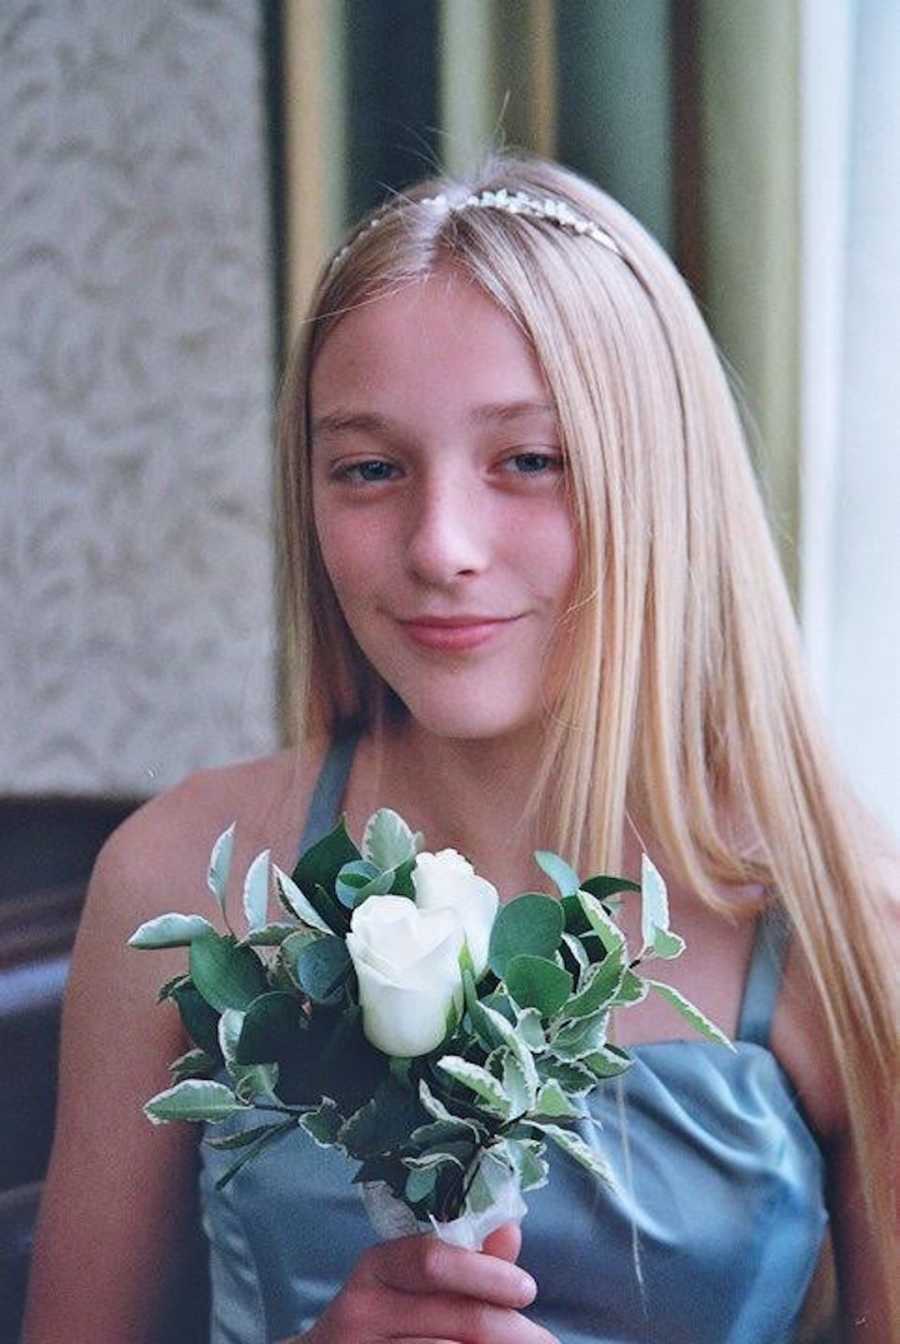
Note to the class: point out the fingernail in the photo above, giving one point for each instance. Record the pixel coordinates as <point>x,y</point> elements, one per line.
<point>527,1286</point>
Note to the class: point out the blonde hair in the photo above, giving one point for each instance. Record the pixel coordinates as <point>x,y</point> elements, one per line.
<point>687,706</point>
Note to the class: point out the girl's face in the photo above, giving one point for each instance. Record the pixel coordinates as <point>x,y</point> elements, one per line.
<point>440,504</point>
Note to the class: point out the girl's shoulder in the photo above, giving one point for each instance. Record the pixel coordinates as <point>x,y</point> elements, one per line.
<point>156,861</point>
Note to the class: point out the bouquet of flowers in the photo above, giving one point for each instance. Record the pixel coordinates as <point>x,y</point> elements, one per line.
<point>401,1014</point>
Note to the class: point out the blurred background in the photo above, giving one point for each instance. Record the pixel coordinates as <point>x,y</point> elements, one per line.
<point>172,173</point>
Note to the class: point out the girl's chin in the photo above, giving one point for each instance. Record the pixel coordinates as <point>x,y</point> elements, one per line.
<point>468,722</point>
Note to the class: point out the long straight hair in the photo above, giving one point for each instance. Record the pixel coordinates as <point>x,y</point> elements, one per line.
<point>685,704</point>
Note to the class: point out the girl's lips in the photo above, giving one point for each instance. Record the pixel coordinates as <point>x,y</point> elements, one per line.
<point>467,635</point>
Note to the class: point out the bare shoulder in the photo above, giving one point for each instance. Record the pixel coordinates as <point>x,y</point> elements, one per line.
<point>156,860</point>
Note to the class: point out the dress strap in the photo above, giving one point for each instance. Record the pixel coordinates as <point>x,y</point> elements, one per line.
<point>330,787</point>
<point>764,976</point>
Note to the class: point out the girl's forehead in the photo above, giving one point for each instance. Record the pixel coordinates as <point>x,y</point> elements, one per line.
<point>437,336</point>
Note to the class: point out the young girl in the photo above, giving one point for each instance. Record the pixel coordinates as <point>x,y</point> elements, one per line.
<point>529,601</point>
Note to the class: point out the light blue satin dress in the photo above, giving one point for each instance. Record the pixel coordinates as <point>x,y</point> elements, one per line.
<point>713,1239</point>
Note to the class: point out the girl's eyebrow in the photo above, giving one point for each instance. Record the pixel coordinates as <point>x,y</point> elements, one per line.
<point>370,422</point>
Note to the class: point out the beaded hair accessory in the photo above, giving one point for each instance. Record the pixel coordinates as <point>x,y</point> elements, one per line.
<point>513,203</point>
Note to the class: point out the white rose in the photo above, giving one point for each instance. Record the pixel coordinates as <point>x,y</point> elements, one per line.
<point>447,880</point>
<point>407,964</point>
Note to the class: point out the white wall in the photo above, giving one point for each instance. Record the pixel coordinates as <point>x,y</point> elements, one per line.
<point>135,346</point>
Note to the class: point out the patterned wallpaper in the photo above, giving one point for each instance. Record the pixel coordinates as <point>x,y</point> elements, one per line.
<point>135,398</point>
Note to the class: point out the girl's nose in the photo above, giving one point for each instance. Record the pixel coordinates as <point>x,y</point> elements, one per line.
<point>448,537</point>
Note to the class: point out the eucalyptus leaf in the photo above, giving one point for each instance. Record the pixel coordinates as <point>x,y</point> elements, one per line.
<point>359,880</point>
<point>256,892</point>
<point>271,1029</point>
<point>193,1100</point>
<point>220,865</point>
<point>319,866</point>
<point>560,873</point>
<point>535,982</point>
<point>692,1014</point>
<point>171,930</point>
<point>387,840</point>
<point>226,975</point>
<point>321,967</point>
<point>530,924</point>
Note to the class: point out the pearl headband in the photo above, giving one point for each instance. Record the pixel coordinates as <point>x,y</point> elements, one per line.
<point>513,203</point>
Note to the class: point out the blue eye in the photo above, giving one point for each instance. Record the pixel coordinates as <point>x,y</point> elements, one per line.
<point>535,464</point>
<point>370,473</point>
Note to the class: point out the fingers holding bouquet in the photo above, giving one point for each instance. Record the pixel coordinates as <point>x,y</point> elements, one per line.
<point>418,1289</point>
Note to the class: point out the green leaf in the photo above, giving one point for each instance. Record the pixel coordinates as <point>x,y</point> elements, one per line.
<point>387,840</point>
<point>518,1047</point>
<point>192,1064</point>
<point>477,1080</point>
<point>230,1024</point>
<point>560,873</point>
<point>256,892</point>
<point>321,967</point>
<point>530,924</point>
<point>323,1124</point>
<point>604,887</point>
<point>552,1100</point>
<point>608,1061</point>
<point>271,1029</point>
<point>654,902</point>
<point>254,1080</point>
<point>220,865</point>
<point>572,1076</point>
<point>274,1132</point>
<point>319,867</point>
<point>383,1124</point>
<point>576,1147</point>
<point>170,931</point>
<point>226,975</point>
<point>515,1084</point>
<point>606,929</point>
<point>599,986</point>
<point>420,1184</point>
<point>537,983</point>
<point>581,1036</point>
<point>527,1160</point>
<point>167,991</point>
<point>633,990</point>
<point>667,945</point>
<point>268,935</point>
<point>575,946</point>
<point>295,903</point>
<point>193,1100</point>
<point>200,1021</point>
<point>691,1013</point>
<point>528,1026</point>
<point>359,880</point>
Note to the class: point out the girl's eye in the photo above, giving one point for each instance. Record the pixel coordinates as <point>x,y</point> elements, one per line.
<point>534,464</point>
<point>366,473</point>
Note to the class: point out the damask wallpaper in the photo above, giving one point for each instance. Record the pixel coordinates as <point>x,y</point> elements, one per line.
<point>137,381</point>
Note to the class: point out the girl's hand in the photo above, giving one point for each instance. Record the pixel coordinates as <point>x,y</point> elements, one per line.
<point>421,1291</point>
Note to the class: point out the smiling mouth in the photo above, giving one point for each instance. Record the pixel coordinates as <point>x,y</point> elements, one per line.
<point>453,634</point>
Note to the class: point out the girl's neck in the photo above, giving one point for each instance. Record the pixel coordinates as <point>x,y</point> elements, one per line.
<point>471,795</point>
